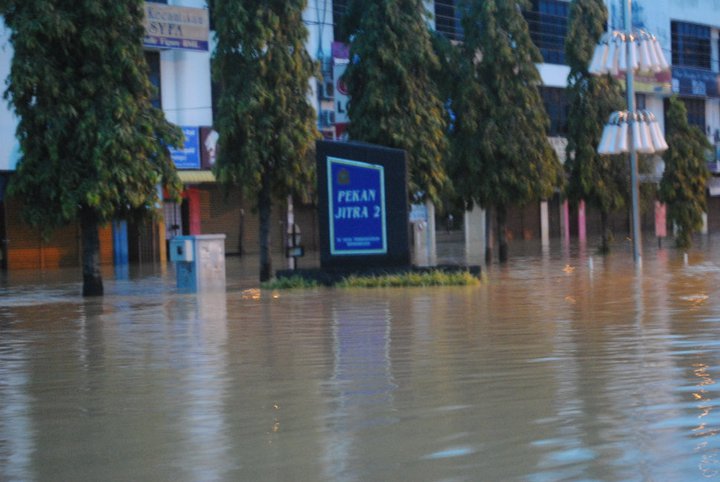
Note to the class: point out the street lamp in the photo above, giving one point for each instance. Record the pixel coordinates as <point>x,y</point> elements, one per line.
<point>628,52</point>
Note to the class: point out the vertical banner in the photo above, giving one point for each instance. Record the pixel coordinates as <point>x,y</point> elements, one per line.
<point>356,207</point>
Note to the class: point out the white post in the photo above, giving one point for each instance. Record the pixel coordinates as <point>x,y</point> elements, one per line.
<point>431,244</point>
<point>474,228</point>
<point>544,223</point>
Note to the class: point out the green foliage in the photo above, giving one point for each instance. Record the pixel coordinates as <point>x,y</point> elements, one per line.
<point>686,175</point>
<point>500,148</point>
<point>394,101</point>
<point>600,180</point>
<point>266,125</point>
<point>431,278</point>
<point>89,136</point>
<point>289,283</point>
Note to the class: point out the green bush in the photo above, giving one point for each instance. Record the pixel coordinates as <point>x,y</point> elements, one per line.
<point>430,278</point>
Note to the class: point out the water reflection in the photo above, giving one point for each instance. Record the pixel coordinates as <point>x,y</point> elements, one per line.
<point>556,368</point>
<point>361,385</point>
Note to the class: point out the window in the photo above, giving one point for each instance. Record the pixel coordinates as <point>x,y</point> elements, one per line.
<point>690,45</point>
<point>547,20</point>
<point>640,101</point>
<point>447,19</point>
<point>556,106</point>
<point>695,111</point>
<point>153,61</point>
<point>338,9</point>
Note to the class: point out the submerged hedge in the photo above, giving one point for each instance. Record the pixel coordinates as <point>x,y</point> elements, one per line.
<point>408,279</point>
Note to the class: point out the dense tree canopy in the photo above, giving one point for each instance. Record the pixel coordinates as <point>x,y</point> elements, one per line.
<point>684,182</point>
<point>93,147</point>
<point>602,181</point>
<point>502,154</point>
<point>266,124</point>
<point>393,98</point>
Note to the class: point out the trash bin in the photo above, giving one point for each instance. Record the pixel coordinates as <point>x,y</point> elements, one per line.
<point>199,261</point>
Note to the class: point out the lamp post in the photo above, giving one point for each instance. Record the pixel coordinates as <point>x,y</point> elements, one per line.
<point>630,131</point>
<point>634,184</point>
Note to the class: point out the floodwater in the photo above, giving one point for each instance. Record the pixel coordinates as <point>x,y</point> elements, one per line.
<point>560,366</point>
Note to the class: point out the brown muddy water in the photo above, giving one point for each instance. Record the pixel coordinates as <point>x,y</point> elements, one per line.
<point>560,366</point>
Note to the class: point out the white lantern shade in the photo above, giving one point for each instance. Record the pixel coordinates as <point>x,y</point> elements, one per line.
<point>654,61</point>
<point>611,62</point>
<point>607,141</point>
<point>597,65</point>
<point>622,143</point>
<point>623,57</point>
<point>645,139</point>
<point>632,53</point>
<point>660,56</point>
<point>644,56</point>
<point>636,140</point>
<point>658,137</point>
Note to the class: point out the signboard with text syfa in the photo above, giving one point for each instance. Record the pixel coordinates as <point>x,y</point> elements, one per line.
<point>171,27</point>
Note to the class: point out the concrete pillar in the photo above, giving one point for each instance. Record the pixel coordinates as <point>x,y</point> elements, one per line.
<point>474,228</point>
<point>424,244</point>
<point>704,229</point>
<point>582,233</point>
<point>430,234</point>
<point>544,223</point>
<point>565,221</point>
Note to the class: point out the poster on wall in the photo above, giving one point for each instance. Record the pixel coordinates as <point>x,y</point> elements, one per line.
<point>356,207</point>
<point>189,156</point>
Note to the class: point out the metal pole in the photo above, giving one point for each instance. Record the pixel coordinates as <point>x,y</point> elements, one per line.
<point>634,186</point>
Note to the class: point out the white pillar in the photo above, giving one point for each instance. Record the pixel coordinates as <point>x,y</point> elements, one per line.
<point>474,227</point>
<point>704,229</point>
<point>431,244</point>
<point>544,223</point>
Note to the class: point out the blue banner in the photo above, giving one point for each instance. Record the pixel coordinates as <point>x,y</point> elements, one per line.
<point>699,82</point>
<point>356,207</point>
<point>189,156</point>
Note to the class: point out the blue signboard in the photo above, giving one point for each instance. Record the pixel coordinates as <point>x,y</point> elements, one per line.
<point>356,207</point>
<point>189,156</point>
<point>689,81</point>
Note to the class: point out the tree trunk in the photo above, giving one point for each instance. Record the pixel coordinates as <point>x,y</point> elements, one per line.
<point>264,210</point>
<point>605,241</point>
<point>92,279</point>
<point>502,235</point>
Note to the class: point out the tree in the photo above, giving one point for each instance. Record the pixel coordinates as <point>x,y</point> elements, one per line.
<point>266,125</point>
<point>685,178</point>
<point>93,147</point>
<point>501,144</point>
<point>393,99</point>
<point>599,180</point>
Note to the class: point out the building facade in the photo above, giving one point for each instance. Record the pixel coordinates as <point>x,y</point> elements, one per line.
<point>689,33</point>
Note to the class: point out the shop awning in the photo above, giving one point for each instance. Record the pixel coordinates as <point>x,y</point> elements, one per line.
<point>196,177</point>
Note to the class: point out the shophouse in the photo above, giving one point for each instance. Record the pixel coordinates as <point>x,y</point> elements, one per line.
<point>689,33</point>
